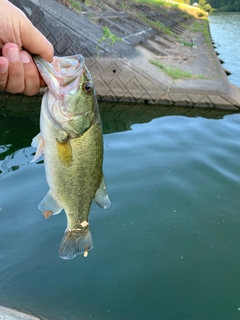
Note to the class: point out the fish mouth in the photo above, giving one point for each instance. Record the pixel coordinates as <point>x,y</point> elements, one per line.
<point>61,71</point>
<point>63,65</point>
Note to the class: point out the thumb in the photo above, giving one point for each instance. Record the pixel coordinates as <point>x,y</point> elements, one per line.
<point>35,42</point>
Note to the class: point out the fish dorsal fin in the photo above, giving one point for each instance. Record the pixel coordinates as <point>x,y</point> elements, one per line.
<point>101,196</point>
<point>49,205</point>
<point>37,142</point>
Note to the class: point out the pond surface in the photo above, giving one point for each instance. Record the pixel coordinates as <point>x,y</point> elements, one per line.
<point>225,30</point>
<point>167,248</point>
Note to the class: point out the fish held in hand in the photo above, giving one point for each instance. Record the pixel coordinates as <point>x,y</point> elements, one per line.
<point>72,143</point>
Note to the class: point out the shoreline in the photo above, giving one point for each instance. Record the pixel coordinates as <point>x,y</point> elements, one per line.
<point>134,69</point>
<point>123,71</point>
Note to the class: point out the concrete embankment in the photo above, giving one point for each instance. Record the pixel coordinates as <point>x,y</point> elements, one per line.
<point>166,36</point>
<point>10,314</point>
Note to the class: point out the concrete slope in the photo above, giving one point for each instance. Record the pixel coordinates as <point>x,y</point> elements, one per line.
<point>11,314</point>
<point>122,71</point>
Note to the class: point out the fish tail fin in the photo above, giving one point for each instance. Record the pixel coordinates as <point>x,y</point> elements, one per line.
<point>74,242</point>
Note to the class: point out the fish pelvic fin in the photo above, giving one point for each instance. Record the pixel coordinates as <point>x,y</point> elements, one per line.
<point>37,142</point>
<point>74,242</point>
<point>49,206</point>
<point>101,196</point>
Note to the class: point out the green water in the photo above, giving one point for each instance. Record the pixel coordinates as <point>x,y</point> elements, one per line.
<point>167,248</point>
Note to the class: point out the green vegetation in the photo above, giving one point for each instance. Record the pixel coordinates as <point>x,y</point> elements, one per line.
<point>122,5</point>
<point>206,33</point>
<point>125,6</point>
<point>155,24</point>
<point>180,4</point>
<point>202,4</point>
<point>196,27</point>
<point>207,6</point>
<point>223,5</point>
<point>186,43</point>
<point>72,4</point>
<point>107,36</point>
<point>160,2</point>
<point>173,72</point>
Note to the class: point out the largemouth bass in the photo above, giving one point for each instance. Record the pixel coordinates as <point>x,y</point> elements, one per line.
<point>72,143</point>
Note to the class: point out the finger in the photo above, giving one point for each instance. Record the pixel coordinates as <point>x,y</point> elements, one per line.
<point>31,75</point>
<point>31,38</point>
<point>3,72</point>
<point>15,83</point>
<point>35,42</point>
<point>42,82</point>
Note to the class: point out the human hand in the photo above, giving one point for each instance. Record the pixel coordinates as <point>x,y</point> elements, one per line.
<point>18,72</point>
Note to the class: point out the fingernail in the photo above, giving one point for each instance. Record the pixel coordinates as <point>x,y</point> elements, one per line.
<point>13,54</point>
<point>25,57</point>
<point>3,68</point>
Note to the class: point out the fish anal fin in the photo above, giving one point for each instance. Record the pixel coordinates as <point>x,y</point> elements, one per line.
<point>64,151</point>
<point>49,206</point>
<point>74,242</point>
<point>47,213</point>
<point>101,196</point>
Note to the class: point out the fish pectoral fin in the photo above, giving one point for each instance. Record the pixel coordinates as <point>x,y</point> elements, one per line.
<point>37,142</point>
<point>49,206</point>
<point>101,196</point>
<point>74,242</point>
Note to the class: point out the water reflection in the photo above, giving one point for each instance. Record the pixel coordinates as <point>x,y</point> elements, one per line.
<point>117,117</point>
<point>16,134</point>
<point>16,160</point>
<point>18,129</point>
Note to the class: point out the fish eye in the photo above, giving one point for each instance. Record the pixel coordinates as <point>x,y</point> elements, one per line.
<point>87,87</point>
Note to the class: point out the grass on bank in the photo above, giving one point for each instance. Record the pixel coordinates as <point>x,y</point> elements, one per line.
<point>75,5</point>
<point>194,11</point>
<point>155,24</point>
<point>196,27</point>
<point>107,36</point>
<point>174,72</point>
<point>206,33</point>
<point>171,71</point>
<point>187,43</point>
<point>72,4</point>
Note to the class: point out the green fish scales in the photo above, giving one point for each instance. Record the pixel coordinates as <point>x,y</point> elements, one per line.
<point>72,143</point>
